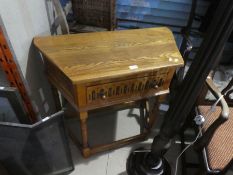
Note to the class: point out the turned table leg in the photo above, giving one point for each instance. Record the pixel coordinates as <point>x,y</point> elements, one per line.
<point>83,124</point>
<point>148,114</point>
<point>142,117</point>
<point>153,112</point>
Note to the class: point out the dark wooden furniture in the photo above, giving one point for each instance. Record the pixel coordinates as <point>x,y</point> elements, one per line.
<point>102,69</point>
<point>99,13</point>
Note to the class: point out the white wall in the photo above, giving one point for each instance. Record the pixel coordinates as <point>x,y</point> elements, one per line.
<point>24,19</point>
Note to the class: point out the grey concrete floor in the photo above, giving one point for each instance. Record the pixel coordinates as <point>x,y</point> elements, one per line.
<point>106,128</point>
<point>115,125</point>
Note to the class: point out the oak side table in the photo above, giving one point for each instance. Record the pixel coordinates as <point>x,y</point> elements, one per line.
<point>95,70</point>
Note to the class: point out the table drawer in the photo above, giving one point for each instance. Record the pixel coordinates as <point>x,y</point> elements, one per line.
<point>138,87</point>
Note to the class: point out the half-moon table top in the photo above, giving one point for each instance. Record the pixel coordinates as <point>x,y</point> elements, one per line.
<point>100,55</point>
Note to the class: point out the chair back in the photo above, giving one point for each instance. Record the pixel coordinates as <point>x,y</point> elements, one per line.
<point>57,17</point>
<point>98,13</point>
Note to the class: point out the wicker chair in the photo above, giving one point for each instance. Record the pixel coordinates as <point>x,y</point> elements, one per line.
<point>98,13</point>
<point>90,16</point>
<point>216,142</point>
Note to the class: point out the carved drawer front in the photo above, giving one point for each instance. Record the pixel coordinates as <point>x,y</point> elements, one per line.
<point>128,88</point>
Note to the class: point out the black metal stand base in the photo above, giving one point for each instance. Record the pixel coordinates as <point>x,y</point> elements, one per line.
<point>140,163</point>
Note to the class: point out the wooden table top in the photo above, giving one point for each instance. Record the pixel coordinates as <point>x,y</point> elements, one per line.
<point>96,56</point>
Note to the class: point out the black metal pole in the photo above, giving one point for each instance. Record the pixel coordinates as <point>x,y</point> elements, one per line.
<point>206,58</point>
<point>186,30</point>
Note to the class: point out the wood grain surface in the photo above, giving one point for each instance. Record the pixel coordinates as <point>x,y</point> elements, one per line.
<point>96,70</point>
<point>104,55</point>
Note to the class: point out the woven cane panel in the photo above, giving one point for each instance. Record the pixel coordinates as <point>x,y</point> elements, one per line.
<point>220,149</point>
<point>99,13</point>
